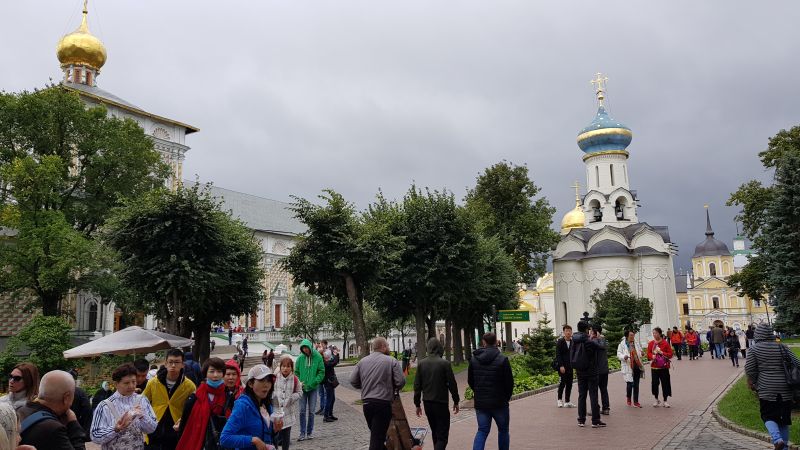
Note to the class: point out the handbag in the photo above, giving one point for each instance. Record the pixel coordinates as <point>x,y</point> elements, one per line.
<point>659,361</point>
<point>333,381</point>
<point>790,368</point>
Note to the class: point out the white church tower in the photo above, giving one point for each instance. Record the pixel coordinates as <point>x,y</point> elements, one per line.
<point>602,238</point>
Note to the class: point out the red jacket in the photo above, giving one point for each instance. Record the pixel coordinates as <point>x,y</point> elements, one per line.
<point>676,337</point>
<point>692,338</point>
<point>666,349</point>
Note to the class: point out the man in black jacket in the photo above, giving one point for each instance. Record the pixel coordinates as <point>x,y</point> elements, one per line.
<point>564,368</point>
<point>81,406</point>
<point>48,422</point>
<point>434,378</point>
<point>489,376</point>
<point>583,355</point>
<point>602,368</point>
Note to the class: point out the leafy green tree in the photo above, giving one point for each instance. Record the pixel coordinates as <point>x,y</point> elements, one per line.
<point>342,255</point>
<point>617,309</point>
<point>341,323</point>
<point>63,167</point>
<point>186,261</point>
<point>308,315</point>
<point>540,347</point>
<point>45,339</point>
<point>770,216</point>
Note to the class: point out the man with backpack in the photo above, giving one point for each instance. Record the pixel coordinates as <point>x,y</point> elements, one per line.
<point>583,355</point>
<point>49,423</point>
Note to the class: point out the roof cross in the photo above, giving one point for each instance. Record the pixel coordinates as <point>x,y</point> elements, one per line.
<point>600,89</point>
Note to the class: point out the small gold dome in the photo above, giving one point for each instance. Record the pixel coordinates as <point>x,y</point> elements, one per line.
<point>81,48</point>
<point>573,219</point>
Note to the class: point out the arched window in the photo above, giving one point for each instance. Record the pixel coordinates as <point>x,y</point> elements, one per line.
<point>597,213</point>
<point>715,302</point>
<point>92,317</point>
<point>597,176</point>
<point>712,269</point>
<point>619,208</point>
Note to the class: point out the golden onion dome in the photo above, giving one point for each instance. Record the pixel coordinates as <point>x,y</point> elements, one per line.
<point>81,48</point>
<point>575,218</point>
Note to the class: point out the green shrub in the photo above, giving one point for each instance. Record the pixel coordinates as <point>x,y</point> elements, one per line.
<point>44,340</point>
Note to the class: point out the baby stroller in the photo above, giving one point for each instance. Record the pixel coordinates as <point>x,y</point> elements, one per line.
<point>400,435</point>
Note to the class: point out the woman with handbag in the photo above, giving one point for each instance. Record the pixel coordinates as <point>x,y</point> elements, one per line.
<point>769,368</point>
<point>659,353</point>
<point>330,383</point>
<point>629,353</point>
<point>204,411</point>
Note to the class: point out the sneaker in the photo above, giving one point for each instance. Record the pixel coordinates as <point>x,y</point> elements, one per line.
<point>629,401</point>
<point>637,405</point>
<point>666,405</point>
<point>327,419</point>
<point>569,405</point>
<point>581,424</point>
<point>333,418</point>
<point>309,437</point>
<point>657,404</point>
<point>560,404</point>
<point>780,445</point>
<point>606,412</point>
<point>599,425</point>
<point>302,437</point>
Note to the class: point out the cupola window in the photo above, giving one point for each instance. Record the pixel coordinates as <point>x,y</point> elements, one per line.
<point>712,269</point>
<point>715,302</point>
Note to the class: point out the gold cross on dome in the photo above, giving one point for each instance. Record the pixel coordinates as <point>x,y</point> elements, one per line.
<point>600,89</point>
<point>85,6</point>
<point>577,187</point>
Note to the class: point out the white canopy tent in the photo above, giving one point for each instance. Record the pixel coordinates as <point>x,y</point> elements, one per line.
<point>129,340</point>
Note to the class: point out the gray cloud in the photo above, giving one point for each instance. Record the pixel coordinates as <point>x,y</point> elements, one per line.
<point>294,97</point>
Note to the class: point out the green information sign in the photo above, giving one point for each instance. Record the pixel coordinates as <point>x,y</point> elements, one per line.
<point>514,315</point>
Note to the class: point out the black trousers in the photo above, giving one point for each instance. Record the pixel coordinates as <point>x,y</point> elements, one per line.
<point>677,349</point>
<point>661,376</point>
<point>602,386</point>
<point>378,414</point>
<point>693,351</point>
<point>632,388</point>
<point>438,416</point>
<point>565,384</point>
<point>588,385</point>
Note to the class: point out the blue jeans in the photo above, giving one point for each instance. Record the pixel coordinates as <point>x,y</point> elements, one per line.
<point>777,432</point>
<point>501,416</point>
<point>322,397</point>
<point>719,351</point>
<point>308,403</point>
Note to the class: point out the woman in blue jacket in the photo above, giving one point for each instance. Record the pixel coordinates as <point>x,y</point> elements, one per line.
<point>250,427</point>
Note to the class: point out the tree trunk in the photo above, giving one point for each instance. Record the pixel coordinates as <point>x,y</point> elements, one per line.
<point>448,324</point>
<point>458,347</point>
<point>431,322</point>
<point>202,341</point>
<point>509,338</point>
<point>419,315</point>
<point>359,328</point>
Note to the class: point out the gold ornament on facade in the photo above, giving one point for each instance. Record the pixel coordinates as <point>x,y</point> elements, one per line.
<point>575,218</point>
<point>81,47</point>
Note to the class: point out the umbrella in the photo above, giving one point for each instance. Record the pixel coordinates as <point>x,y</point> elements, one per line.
<point>129,340</point>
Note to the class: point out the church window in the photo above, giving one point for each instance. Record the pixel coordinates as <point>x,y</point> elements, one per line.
<point>92,317</point>
<point>611,171</point>
<point>76,77</point>
<point>715,302</point>
<point>597,213</point>
<point>725,269</point>
<point>597,176</point>
<point>685,309</point>
<point>88,78</point>
<point>712,269</point>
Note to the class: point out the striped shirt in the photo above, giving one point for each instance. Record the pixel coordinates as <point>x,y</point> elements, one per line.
<point>764,367</point>
<point>110,410</point>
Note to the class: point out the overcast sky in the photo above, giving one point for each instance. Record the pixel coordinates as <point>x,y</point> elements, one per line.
<point>292,97</point>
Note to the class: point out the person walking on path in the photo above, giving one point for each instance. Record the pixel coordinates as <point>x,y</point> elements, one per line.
<point>583,355</point>
<point>710,344</point>
<point>288,391</point>
<point>489,375</point>
<point>378,376</point>
<point>121,420</point>
<point>733,344</point>
<point>250,424</point>
<point>766,376</point>
<point>230,336</point>
<point>244,346</point>
<point>23,385</point>
<point>629,353</point>
<point>676,339</point>
<point>749,334</point>
<point>204,411</point>
<point>718,339</point>
<point>48,422</point>
<point>602,369</point>
<point>564,368</point>
<point>331,358</point>
<point>433,381</point>
<point>660,353</point>
<point>310,369</point>
<point>321,392</point>
<point>693,341</point>
<point>167,394</point>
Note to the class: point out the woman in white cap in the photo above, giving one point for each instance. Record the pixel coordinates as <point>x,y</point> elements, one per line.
<point>250,425</point>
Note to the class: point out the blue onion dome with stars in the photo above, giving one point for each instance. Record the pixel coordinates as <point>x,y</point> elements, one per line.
<point>604,134</point>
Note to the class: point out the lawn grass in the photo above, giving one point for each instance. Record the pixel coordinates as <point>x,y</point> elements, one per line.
<point>740,405</point>
<point>795,340</point>
<point>412,374</point>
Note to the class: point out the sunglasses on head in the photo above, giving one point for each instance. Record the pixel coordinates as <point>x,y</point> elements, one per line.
<point>15,378</point>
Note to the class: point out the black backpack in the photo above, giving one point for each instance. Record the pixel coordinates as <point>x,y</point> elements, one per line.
<point>579,357</point>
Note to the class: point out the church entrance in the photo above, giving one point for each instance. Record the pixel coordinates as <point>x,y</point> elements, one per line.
<point>718,323</point>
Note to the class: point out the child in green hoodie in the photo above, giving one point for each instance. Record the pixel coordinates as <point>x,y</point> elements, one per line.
<point>310,369</point>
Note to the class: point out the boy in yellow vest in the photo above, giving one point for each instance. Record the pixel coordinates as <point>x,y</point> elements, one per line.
<point>167,393</point>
